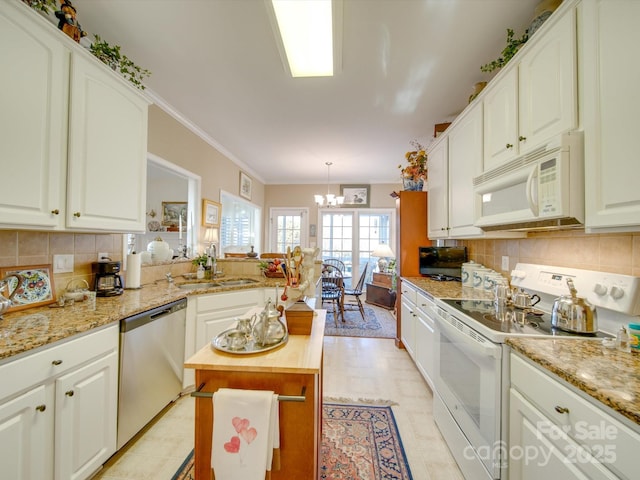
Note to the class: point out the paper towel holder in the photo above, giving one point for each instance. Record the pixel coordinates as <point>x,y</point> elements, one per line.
<point>132,273</point>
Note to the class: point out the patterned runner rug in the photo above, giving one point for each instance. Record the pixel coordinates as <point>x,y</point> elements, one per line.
<point>378,323</point>
<point>358,442</point>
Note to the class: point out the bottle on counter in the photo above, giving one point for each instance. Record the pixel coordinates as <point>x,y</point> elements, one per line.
<point>622,339</point>
<point>200,272</point>
<point>634,337</point>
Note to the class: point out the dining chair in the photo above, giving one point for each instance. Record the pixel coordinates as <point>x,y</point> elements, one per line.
<point>333,289</point>
<point>337,263</point>
<point>357,291</point>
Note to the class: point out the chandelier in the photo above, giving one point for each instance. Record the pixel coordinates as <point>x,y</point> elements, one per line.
<point>330,199</point>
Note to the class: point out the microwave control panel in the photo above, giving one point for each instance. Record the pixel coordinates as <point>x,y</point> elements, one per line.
<point>548,188</point>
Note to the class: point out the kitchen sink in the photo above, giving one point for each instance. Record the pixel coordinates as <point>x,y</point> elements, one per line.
<point>237,281</point>
<point>194,285</point>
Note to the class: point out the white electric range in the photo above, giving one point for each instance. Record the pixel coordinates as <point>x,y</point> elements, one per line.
<point>472,361</point>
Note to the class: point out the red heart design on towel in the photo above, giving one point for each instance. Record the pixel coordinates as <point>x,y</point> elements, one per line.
<point>240,423</point>
<point>249,434</point>
<point>233,446</point>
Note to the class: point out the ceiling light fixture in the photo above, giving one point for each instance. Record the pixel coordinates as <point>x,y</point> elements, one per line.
<point>331,199</point>
<point>306,31</point>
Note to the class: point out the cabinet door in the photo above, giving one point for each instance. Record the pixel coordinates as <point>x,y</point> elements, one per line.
<point>465,162</point>
<point>33,123</point>
<point>547,94</point>
<point>408,326</point>
<point>501,120</point>
<point>540,449</point>
<point>437,220</point>
<point>86,418</point>
<point>611,105</point>
<point>26,432</point>
<point>425,359</point>
<point>107,151</point>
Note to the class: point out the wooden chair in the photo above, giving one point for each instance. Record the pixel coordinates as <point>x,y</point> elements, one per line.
<point>337,263</point>
<point>333,289</point>
<point>357,291</point>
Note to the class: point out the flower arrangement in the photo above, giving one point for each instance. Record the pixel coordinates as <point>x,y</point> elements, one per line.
<point>417,168</point>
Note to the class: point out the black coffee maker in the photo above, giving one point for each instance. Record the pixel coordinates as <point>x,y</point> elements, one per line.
<point>108,280</point>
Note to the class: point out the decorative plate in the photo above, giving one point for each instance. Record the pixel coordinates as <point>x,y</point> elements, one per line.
<point>154,226</point>
<point>36,287</point>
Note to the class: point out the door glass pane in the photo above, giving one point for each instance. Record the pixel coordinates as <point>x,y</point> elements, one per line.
<point>288,232</point>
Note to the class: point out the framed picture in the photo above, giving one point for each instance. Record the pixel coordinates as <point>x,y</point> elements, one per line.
<point>355,195</point>
<point>211,212</point>
<point>245,186</point>
<point>36,287</point>
<point>174,214</point>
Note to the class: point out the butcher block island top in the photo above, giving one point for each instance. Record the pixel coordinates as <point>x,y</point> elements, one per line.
<point>293,371</point>
<point>300,354</point>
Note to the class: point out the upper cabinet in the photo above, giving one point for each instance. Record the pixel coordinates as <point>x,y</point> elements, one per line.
<point>438,208</point>
<point>73,134</point>
<point>535,97</point>
<point>610,104</point>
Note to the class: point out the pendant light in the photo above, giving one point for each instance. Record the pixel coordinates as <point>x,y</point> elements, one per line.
<point>330,199</point>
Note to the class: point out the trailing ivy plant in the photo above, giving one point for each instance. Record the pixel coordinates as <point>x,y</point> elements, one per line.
<point>112,57</point>
<point>513,45</point>
<point>43,5</point>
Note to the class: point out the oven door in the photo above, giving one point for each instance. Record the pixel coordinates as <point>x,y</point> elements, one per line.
<point>468,376</point>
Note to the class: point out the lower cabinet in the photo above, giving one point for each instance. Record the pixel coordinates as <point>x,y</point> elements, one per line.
<point>58,409</point>
<point>556,433</point>
<point>408,318</point>
<point>425,338</point>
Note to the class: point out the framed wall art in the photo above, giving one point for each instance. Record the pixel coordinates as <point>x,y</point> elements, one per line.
<point>355,195</point>
<point>36,287</point>
<point>245,186</point>
<point>211,212</point>
<point>174,214</point>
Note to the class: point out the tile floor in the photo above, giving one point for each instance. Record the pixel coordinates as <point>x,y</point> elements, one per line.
<point>354,368</point>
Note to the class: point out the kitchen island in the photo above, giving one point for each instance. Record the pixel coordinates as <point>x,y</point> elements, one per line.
<point>294,369</point>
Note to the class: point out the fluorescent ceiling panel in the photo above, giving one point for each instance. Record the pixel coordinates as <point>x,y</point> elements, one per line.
<point>306,30</point>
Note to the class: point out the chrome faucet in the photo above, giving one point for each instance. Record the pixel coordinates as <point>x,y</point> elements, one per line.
<point>169,277</point>
<point>212,260</point>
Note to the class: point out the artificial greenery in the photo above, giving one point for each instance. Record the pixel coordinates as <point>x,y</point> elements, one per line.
<point>112,57</point>
<point>200,260</point>
<point>43,5</point>
<point>513,44</point>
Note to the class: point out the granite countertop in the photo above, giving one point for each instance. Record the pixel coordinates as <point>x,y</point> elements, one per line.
<point>28,329</point>
<point>438,289</point>
<point>302,354</point>
<point>606,374</point>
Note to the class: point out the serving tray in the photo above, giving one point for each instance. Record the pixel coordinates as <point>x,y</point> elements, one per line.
<point>219,342</point>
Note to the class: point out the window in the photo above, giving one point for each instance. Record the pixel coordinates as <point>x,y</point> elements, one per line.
<point>288,228</point>
<point>351,236</point>
<point>239,224</point>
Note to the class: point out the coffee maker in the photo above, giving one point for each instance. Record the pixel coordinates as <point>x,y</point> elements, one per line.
<point>108,280</point>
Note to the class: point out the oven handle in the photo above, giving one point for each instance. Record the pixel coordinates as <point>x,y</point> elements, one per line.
<point>481,348</point>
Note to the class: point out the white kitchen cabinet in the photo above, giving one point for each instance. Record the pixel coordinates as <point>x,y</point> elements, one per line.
<point>425,337</point>
<point>556,433</point>
<point>73,134</point>
<point>610,105</point>
<point>535,98</point>
<point>58,408</point>
<point>438,206</point>
<point>408,318</point>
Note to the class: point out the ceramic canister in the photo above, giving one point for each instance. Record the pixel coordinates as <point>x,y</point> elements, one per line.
<point>478,277</point>
<point>467,272</point>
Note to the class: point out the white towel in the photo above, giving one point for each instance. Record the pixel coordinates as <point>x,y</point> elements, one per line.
<point>243,433</point>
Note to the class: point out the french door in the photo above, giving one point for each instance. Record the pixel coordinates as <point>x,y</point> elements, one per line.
<point>352,234</point>
<point>288,228</point>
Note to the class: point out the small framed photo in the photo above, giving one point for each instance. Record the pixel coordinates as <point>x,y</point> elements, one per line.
<point>174,214</point>
<point>355,195</point>
<point>211,212</point>
<point>245,186</point>
<point>35,287</point>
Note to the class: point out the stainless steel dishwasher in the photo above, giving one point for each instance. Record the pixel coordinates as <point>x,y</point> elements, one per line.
<point>151,365</point>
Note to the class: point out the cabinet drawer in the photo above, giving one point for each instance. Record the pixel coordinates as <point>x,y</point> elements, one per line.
<point>220,301</point>
<point>583,421</point>
<point>41,365</point>
<point>408,292</point>
<point>425,305</point>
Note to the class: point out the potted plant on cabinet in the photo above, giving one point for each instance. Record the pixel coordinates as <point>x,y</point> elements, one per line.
<point>112,57</point>
<point>513,45</point>
<point>415,173</point>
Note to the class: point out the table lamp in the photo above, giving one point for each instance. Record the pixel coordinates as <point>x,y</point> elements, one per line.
<point>211,238</point>
<point>383,252</point>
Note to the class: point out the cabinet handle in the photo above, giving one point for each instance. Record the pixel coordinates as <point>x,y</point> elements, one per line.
<point>560,409</point>
<point>509,145</point>
<point>443,228</point>
<point>70,393</point>
<point>41,408</point>
<point>522,139</point>
<point>55,212</point>
<point>56,362</point>
<point>76,214</point>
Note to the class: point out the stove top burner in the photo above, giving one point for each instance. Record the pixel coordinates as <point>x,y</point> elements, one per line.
<point>439,277</point>
<point>514,320</point>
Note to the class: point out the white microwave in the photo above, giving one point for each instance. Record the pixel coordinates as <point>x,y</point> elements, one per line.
<point>542,189</point>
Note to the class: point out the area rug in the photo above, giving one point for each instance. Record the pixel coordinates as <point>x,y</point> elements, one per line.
<point>377,323</point>
<point>359,442</point>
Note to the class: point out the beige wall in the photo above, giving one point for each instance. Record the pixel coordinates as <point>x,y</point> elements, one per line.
<point>616,253</point>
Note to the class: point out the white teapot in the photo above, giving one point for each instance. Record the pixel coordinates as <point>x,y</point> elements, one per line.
<point>159,250</point>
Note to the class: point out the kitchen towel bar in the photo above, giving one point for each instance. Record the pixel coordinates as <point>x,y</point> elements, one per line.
<point>282,398</point>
